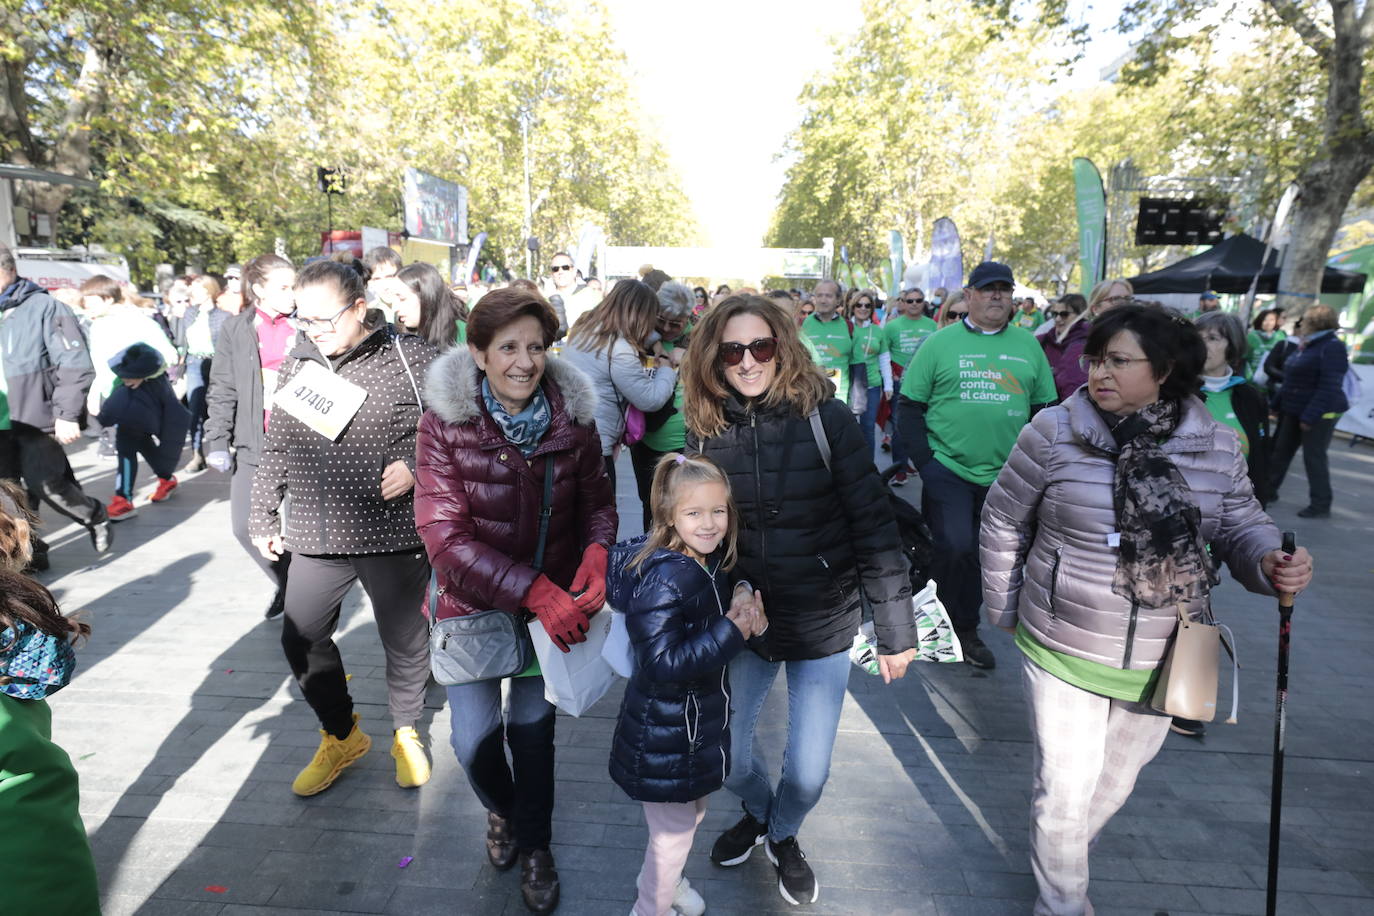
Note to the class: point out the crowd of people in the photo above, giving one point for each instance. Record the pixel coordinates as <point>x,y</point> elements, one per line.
<point>1086,468</point>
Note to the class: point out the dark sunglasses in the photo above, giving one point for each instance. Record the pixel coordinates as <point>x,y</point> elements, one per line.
<point>913,301</point>
<point>863,305</point>
<point>956,316</point>
<point>557,267</point>
<point>763,348</point>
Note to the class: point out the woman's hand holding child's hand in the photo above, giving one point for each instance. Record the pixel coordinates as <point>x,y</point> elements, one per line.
<point>746,612</point>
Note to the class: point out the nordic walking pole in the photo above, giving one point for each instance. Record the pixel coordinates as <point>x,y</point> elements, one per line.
<point>1290,544</point>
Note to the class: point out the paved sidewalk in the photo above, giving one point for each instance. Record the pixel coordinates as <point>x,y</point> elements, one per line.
<point>187,734</point>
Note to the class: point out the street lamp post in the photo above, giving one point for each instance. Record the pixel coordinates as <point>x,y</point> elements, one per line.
<point>525,115</point>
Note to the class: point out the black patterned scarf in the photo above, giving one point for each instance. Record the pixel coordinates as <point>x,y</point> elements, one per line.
<point>525,429</point>
<point>1163,559</point>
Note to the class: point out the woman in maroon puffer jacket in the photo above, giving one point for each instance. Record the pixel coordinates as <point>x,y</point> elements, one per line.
<point>1064,343</point>
<point>499,409</point>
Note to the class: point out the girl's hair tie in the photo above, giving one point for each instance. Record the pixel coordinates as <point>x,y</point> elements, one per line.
<point>681,458</point>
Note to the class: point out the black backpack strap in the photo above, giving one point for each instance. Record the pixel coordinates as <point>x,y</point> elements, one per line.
<point>818,431</point>
<point>545,510</point>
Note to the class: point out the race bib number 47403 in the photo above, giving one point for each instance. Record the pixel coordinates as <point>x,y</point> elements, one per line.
<point>320,399</point>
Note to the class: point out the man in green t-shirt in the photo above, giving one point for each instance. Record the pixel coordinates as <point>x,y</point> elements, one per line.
<point>1028,316</point>
<point>967,393</point>
<point>906,330</point>
<point>829,334</point>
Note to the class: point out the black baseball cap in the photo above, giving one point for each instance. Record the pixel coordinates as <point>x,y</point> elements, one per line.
<point>990,272</point>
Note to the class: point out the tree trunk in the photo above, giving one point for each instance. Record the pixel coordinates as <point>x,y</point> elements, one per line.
<point>1326,188</point>
<point>1346,155</point>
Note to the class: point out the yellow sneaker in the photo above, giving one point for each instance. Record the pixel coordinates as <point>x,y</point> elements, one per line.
<point>412,766</point>
<point>330,760</point>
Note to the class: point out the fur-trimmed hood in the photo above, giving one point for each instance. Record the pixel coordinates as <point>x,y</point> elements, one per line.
<point>453,383</point>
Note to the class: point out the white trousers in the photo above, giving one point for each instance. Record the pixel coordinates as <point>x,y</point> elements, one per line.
<point>1089,749</point>
<point>672,825</point>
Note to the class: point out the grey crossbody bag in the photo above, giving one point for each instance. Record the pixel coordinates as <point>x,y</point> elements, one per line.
<point>488,644</point>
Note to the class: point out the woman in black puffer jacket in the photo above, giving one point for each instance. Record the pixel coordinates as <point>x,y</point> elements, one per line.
<point>811,539</point>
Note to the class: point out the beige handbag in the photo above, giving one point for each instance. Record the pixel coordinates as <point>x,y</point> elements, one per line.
<point>1187,684</point>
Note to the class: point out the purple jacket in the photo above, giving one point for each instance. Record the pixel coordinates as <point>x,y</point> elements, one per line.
<point>1063,356</point>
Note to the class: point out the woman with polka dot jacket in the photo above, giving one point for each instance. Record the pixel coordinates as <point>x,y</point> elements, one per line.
<point>340,446</point>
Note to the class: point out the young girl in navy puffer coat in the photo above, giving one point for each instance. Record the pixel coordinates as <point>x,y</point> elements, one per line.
<point>672,743</point>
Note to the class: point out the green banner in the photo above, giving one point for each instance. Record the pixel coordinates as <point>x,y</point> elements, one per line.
<point>897,261</point>
<point>1092,223</point>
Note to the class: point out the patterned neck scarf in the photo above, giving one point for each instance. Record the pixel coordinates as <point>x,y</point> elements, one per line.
<point>525,429</point>
<point>1162,560</point>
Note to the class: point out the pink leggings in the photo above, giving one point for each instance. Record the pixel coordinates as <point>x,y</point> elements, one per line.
<point>671,828</point>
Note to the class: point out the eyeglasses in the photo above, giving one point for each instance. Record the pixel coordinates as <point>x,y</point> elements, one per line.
<point>555,268</point>
<point>1118,299</point>
<point>1113,363</point>
<point>955,316</point>
<point>763,349</point>
<point>701,295</point>
<point>1063,313</point>
<point>314,324</point>
<point>913,301</point>
<point>863,305</point>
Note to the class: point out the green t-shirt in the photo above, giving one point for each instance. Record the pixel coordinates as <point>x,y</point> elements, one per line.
<point>1259,348</point>
<point>833,343</point>
<point>869,343</point>
<point>1028,320</point>
<point>905,334</point>
<point>4,396</point>
<point>979,389</point>
<point>462,337</point>
<point>1103,680</point>
<point>1220,407</point>
<point>672,435</point>
<point>47,857</point>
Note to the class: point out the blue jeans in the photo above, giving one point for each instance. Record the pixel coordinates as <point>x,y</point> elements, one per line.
<point>815,692</point>
<point>197,382</point>
<point>868,420</point>
<point>522,793</point>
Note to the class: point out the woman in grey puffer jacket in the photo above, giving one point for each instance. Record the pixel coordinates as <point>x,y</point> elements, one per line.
<point>1093,538</point>
<point>610,345</point>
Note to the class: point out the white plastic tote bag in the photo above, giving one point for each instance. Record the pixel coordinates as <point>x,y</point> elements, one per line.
<point>616,651</point>
<point>575,680</point>
<point>935,639</point>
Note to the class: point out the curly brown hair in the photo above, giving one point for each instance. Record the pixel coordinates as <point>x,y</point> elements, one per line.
<point>798,385</point>
<point>22,600</point>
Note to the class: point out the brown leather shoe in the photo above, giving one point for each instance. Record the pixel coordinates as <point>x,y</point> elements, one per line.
<point>539,881</point>
<point>501,851</point>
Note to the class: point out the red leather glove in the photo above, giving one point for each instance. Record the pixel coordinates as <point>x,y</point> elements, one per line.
<point>590,580</point>
<point>562,619</point>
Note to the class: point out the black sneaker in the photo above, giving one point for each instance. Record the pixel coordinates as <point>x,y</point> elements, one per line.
<point>734,845</point>
<point>99,530</point>
<point>278,605</point>
<point>1311,512</point>
<point>976,652</point>
<point>1189,728</point>
<point>796,880</point>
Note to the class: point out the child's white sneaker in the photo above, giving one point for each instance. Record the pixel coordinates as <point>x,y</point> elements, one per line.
<point>687,902</point>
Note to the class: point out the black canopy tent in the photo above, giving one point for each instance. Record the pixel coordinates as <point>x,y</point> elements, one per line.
<point>1229,267</point>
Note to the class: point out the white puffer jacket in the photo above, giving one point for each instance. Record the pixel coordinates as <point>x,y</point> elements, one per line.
<point>1046,522</point>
